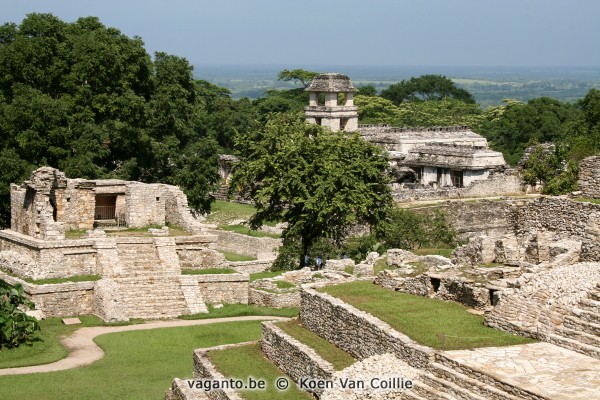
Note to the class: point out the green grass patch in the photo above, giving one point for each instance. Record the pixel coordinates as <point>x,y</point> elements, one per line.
<point>207,271</point>
<point>433,252</point>
<point>585,200</point>
<point>225,211</point>
<point>242,310</point>
<point>137,365</point>
<point>174,230</point>
<point>284,284</point>
<point>423,319</point>
<point>76,278</point>
<point>47,347</point>
<point>264,275</point>
<point>336,356</point>
<point>72,234</point>
<point>244,230</point>
<point>380,265</point>
<point>245,361</point>
<point>349,269</point>
<point>233,257</point>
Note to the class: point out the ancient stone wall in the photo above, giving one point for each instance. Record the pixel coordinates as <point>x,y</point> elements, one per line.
<point>358,332</point>
<point>224,288</point>
<point>499,184</point>
<point>205,369</point>
<point>448,288</point>
<point>589,177</point>
<point>561,218</point>
<point>279,299</point>
<point>540,305</point>
<point>260,247</point>
<point>177,210</point>
<point>145,204</point>
<point>76,204</point>
<point>482,217</point>
<point>293,357</point>
<point>58,300</point>
<point>251,267</point>
<point>194,252</point>
<point>41,259</point>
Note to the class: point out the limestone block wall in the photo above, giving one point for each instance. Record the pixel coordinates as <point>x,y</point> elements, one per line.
<point>47,259</point>
<point>75,204</point>
<point>496,185</point>
<point>589,177</point>
<point>224,288</point>
<point>544,299</point>
<point>205,369</point>
<point>251,267</point>
<point>243,244</point>
<point>58,300</point>
<point>448,288</point>
<point>563,219</point>
<point>177,211</point>
<point>194,252</point>
<point>293,357</point>
<point>145,204</point>
<point>278,300</point>
<point>358,332</point>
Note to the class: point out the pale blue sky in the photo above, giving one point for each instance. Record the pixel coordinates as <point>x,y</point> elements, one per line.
<point>349,32</point>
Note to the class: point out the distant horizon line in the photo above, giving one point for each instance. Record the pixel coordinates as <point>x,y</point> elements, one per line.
<point>295,66</point>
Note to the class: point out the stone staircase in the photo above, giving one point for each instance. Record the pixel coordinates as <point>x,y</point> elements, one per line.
<point>449,380</point>
<point>148,283</point>
<point>580,331</point>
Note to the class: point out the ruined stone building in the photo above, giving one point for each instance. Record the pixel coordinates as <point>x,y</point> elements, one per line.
<point>136,275</point>
<point>427,162</point>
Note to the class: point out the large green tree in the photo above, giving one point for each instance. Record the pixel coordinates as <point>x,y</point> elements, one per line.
<point>89,100</point>
<point>426,87</point>
<point>320,182</point>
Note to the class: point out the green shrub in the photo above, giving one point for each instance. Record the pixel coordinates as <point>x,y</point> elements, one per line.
<point>16,327</point>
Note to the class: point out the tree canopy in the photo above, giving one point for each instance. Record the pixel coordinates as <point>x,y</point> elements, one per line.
<point>426,87</point>
<point>319,182</point>
<point>89,100</point>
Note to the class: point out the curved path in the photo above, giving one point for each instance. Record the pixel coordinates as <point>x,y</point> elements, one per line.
<point>83,350</point>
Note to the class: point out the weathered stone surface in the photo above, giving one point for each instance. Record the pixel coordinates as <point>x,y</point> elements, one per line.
<point>357,332</point>
<point>339,265</point>
<point>589,177</point>
<point>293,357</point>
<point>263,247</point>
<point>374,369</point>
<point>398,257</point>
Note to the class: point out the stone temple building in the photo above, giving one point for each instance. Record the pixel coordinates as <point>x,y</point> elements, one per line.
<point>437,162</point>
<point>120,275</point>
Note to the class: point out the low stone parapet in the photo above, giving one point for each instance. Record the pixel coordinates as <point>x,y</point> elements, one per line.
<point>223,288</point>
<point>358,332</point>
<point>288,298</point>
<point>293,357</point>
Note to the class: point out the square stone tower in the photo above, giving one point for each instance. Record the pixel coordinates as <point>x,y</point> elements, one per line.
<point>338,111</point>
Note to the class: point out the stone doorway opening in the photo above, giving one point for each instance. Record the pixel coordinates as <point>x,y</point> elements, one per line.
<point>106,206</point>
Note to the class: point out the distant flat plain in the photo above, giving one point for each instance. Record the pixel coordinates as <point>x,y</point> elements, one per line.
<point>489,85</point>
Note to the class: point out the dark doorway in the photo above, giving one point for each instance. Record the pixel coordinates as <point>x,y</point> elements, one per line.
<point>105,207</point>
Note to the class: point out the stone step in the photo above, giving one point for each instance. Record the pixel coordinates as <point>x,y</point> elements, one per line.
<point>574,345</point>
<point>448,386</point>
<point>581,325</point>
<point>594,295</point>
<point>582,337</point>
<point>470,380</point>
<point>422,389</point>
<point>477,381</point>
<point>590,305</point>
<point>411,395</point>
<point>587,315</point>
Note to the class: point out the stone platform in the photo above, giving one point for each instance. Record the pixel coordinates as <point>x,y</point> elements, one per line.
<point>544,369</point>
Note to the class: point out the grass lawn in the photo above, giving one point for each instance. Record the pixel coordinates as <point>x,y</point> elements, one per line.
<point>336,356</point>
<point>47,347</point>
<point>76,278</point>
<point>225,211</point>
<point>265,274</point>
<point>233,257</point>
<point>422,318</point>
<point>380,265</point>
<point>582,199</point>
<point>244,230</point>
<point>137,365</point>
<point>207,271</point>
<point>244,361</point>
<point>240,310</point>
<point>434,252</point>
